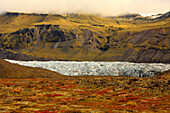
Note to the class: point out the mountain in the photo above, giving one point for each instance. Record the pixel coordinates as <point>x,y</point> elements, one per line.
<point>164,16</point>
<point>84,37</point>
<point>133,16</point>
<point>129,16</point>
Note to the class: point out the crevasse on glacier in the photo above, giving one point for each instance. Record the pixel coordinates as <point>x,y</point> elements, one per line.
<point>73,68</point>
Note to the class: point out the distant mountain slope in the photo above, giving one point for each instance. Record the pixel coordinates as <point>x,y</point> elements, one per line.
<point>133,16</point>
<point>84,37</point>
<point>164,16</point>
<point>8,70</point>
<point>11,22</point>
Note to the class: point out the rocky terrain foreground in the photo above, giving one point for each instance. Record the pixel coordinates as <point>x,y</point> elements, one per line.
<point>63,94</point>
<point>83,37</point>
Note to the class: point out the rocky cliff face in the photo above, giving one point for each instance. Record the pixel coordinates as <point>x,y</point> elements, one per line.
<point>150,42</point>
<point>146,46</point>
<point>40,35</point>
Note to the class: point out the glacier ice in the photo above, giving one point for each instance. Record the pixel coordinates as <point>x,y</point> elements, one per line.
<point>74,68</point>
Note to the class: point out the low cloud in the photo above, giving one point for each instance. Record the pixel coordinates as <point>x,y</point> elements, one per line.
<point>102,7</point>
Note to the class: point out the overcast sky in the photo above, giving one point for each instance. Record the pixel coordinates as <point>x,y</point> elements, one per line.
<point>102,7</point>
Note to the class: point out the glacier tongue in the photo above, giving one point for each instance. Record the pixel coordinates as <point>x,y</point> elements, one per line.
<point>73,68</point>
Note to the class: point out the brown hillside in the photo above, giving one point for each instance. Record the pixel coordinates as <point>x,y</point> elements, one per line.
<point>165,75</point>
<point>8,70</point>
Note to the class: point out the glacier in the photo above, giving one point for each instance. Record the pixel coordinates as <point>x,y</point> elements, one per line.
<point>74,68</point>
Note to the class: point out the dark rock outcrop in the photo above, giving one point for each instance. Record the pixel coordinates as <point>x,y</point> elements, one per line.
<point>21,57</point>
<point>16,14</point>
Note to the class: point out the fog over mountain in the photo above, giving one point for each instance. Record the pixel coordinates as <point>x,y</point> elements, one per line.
<point>102,7</point>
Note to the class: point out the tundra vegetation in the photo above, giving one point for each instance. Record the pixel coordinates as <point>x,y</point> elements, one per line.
<point>25,89</point>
